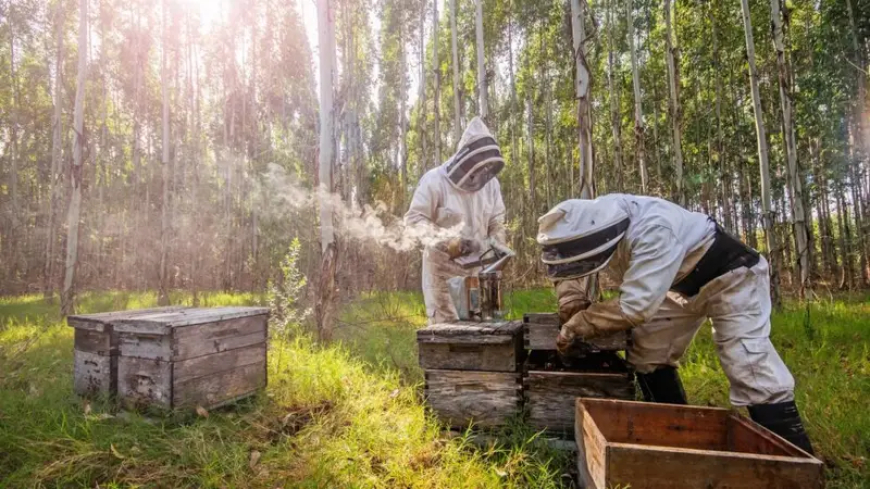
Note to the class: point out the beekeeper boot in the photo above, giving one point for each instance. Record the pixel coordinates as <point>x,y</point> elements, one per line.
<point>783,419</point>
<point>662,385</point>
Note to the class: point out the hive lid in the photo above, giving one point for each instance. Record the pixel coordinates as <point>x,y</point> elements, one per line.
<point>162,323</point>
<point>98,321</point>
<point>477,332</point>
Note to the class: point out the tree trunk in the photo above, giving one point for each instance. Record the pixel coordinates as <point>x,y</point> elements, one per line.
<point>457,103</point>
<point>421,122</point>
<point>675,110</point>
<point>163,298</point>
<point>532,183</point>
<point>613,89</point>
<point>436,68</point>
<point>67,305</point>
<point>795,187</point>
<point>767,211</point>
<point>724,170</point>
<point>582,90</point>
<point>481,63</point>
<point>640,149</point>
<point>326,36</point>
<point>56,155</point>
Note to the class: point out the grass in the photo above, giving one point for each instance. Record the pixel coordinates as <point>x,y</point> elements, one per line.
<point>350,415</point>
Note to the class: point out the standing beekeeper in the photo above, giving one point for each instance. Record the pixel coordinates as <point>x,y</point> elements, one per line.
<point>675,268</point>
<point>464,194</point>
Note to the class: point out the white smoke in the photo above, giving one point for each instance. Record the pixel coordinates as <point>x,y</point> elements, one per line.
<point>280,192</point>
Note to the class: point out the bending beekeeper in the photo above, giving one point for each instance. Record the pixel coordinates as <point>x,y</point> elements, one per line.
<point>675,268</point>
<point>462,193</point>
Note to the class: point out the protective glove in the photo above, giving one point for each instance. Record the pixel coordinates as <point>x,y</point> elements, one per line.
<point>568,309</point>
<point>457,247</point>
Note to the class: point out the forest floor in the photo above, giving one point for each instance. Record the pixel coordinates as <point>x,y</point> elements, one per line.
<point>350,415</point>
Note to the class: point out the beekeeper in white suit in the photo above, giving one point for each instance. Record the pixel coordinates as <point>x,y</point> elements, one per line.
<point>464,190</point>
<point>675,268</point>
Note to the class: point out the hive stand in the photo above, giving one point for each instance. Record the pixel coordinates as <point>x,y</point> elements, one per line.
<point>472,371</point>
<point>550,388</point>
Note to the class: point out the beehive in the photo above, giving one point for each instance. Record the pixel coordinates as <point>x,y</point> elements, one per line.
<point>551,388</point>
<point>192,357</point>
<point>96,350</point>
<point>472,371</point>
<point>541,329</point>
<point>664,446</point>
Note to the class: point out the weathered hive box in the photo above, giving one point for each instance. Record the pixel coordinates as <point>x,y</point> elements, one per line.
<point>95,370</point>
<point>656,446</point>
<point>493,347</point>
<point>460,397</point>
<point>193,357</point>
<point>541,329</point>
<point>551,388</point>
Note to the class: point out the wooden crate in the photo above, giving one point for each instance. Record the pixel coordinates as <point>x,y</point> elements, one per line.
<point>460,397</point>
<point>655,446</point>
<point>541,329</point>
<point>483,346</point>
<point>95,364</point>
<point>193,357</point>
<point>550,388</point>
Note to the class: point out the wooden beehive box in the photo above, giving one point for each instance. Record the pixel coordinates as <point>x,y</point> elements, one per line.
<point>657,446</point>
<point>95,364</point>
<point>494,347</point>
<point>193,357</point>
<point>551,388</point>
<point>541,329</point>
<point>460,397</point>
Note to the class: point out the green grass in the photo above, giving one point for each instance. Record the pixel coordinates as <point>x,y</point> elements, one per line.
<point>350,415</point>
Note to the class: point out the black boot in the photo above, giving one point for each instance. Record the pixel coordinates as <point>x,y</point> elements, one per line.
<point>783,419</point>
<point>662,385</point>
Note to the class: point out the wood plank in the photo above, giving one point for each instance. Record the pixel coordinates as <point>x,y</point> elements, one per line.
<point>486,398</point>
<point>222,329</point>
<point>143,381</point>
<point>155,347</point>
<point>101,343</point>
<point>650,423</point>
<point>594,450</point>
<point>469,356</point>
<point>747,437</point>
<point>471,332</point>
<point>97,321</point>
<point>550,396</point>
<point>542,318</point>
<point>542,336</point>
<point>164,323</point>
<point>198,346</point>
<point>650,467</point>
<point>94,374</point>
<point>219,387</point>
<point>210,364</point>
<point>584,477</point>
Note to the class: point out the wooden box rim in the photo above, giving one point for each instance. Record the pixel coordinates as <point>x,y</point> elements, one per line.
<point>165,322</point>
<point>470,332</point>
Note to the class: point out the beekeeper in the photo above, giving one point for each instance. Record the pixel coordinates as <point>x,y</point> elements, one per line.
<point>676,268</point>
<point>464,194</point>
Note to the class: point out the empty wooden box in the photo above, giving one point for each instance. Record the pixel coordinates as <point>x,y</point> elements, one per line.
<point>192,357</point>
<point>551,388</point>
<point>541,329</point>
<point>459,397</point>
<point>494,347</point>
<point>657,446</point>
<point>95,367</point>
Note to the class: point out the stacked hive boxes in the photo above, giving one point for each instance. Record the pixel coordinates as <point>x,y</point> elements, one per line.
<point>173,357</point>
<point>486,372</point>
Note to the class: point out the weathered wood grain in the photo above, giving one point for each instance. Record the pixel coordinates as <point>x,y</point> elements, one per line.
<point>98,321</point>
<point>196,346</point>
<point>193,341</point>
<point>220,386</point>
<point>94,374</point>
<point>151,346</point>
<point>470,332</point>
<point>143,381</point>
<point>163,323</point>
<point>465,356</point>
<point>484,398</point>
<point>550,396</point>
<point>540,331</point>
<point>101,343</point>
<point>210,364</point>
<point>668,446</point>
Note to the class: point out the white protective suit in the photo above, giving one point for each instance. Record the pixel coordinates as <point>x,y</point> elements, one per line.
<point>437,200</point>
<point>661,245</point>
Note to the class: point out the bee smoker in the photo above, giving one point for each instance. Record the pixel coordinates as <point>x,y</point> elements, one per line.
<point>478,297</point>
<point>489,280</point>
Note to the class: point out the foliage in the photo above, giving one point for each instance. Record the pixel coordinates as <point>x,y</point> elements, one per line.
<point>285,295</point>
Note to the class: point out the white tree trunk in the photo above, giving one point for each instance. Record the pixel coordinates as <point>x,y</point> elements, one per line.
<point>766,209</point>
<point>724,171</point>
<point>532,183</point>
<point>582,82</point>
<point>613,88</point>
<point>163,298</point>
<point>326,39</point>
<point>424,155</point>
<point>795,186</point>
<point>640,147</point>
<point>56,155</point>
<point>676,112</point>
<point>72,242</point>
<point>436,68</point>
<point>457,103</point>
<point>481,62</point>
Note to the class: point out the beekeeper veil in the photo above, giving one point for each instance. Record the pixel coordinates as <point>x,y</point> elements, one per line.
<point>477,160</point>
<point>579,237</point>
